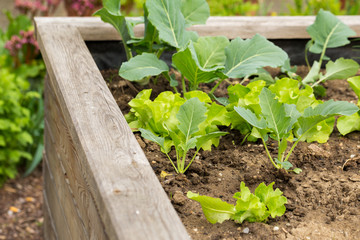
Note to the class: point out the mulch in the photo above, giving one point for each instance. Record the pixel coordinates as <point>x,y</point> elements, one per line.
<point>21,201</point>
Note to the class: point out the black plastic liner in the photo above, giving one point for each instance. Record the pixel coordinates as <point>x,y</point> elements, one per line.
<point>110,54</point>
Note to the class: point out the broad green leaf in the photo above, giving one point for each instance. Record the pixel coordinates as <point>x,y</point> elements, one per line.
<point>286,68</point>
<point>141,66</point>
<point>340,69</point>
<point>190,115</point>
<point>348,124</point>
<point>112,6</point>
<point>195,11</point>
<point>313,75</point>
<point>152,137</point>
<point>118,21</point>
<point>312,116</point>
<point>169,21</point>
<point>205,138</point>
<point>215,210</point>
<point>250,117</point>
<point>244,57</point>
<point>209,52</point>
<point>274,200</point>
<point>187,63</point>
<point>274,113</point>
<point>293,113</point>
<point>328,32</point>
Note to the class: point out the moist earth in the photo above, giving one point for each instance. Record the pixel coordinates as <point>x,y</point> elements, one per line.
<point>323,200</point>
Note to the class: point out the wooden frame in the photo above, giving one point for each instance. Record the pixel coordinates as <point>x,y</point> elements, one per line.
<point>98,182</point>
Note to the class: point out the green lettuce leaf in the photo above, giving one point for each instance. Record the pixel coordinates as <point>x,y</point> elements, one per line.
<point>348,124</point>
<point>273,200</point>
<point>312,116</point>
<point>249,207</point>
<point>215,210</point>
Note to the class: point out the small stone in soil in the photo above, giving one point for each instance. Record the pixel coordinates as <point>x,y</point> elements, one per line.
<point>179,198</point>
<point>246,230</point>
<point>276,228</point>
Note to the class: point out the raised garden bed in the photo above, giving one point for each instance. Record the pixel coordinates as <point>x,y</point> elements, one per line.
<point>98,182</point>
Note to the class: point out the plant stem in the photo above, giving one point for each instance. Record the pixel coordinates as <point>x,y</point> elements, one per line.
<point>160,52</point>
<point>291,150</point>
<point>268,153</point>
<point>317,82</point>
<point>182,164</point>
<point>191,160</point>
<point>279,153</point>
<point>172,163</point>
<point>216,86</point>
<point>166,75</point>
<point>127,50</point>
<point>183,84</point>
<point>306,58</point>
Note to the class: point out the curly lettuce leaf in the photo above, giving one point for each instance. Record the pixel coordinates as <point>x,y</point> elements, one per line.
<point>348,124</point>
<point>249,207</point>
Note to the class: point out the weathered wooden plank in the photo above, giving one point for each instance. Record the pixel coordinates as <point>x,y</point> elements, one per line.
<point>76,228</point>
<point>56,209</point>
<point>63,159</point>
<point>276,27</point>
<point>49,230</point>
<point>127,194</point>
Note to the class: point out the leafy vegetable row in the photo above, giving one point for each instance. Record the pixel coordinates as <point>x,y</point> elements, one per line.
<point>285,109</point>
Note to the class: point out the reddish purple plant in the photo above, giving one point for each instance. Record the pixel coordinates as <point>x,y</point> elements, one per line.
<point>23,47</point>
<point>81,7</point>
<point>37,7</point>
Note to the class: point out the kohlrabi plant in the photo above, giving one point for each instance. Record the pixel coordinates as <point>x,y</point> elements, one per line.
<point>328,32</point>
<point>251,207</point>
<point>347,124</point>
<point>276,120</point>
<point>165,29</point>
<point>183,123</point>
<point>198,59</point>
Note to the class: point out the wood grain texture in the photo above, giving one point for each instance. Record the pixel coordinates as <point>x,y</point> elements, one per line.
<point>130,200</point>
<point>56,210</point>
<point>277,27</point>
<point>63,163</point>
<point>48,225</point>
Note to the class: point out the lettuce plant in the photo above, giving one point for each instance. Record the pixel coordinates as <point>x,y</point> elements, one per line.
<point>347,124</point>
<point>172,121</point>
<point>276,121</point>
<point>287,91</point>
<point>257,207</point>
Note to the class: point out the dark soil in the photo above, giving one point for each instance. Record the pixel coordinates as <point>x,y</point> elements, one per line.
<point>323,201</point>
<point>21,215</point>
